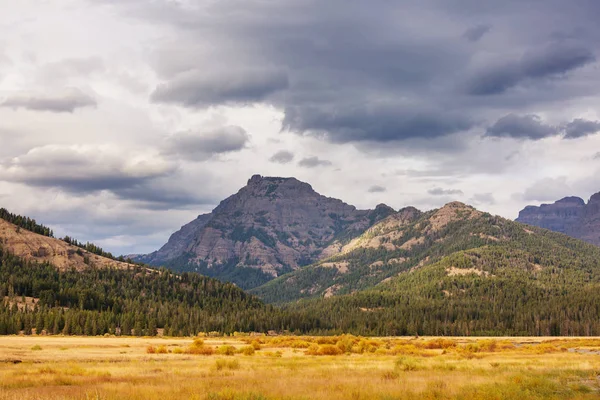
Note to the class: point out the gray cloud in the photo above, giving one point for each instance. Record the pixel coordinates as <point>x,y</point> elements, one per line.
<point>521,127</point>
<point>394,84</point>
<point>444,192</point>
<point>375,122</point>
<point>555,59</point>
<point>67,101</point>
<point>312,162</point>
<point>597,156</point>
<point>377,189</point>
<point>580,128</point>
<point>196,146</point>
<point>475,33</point>
<point>82,169</point>
<point>201,89</point>
<point>282,157</point>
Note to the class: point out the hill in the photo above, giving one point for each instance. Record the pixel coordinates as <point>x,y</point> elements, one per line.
<point>270,227</point>
<point>49,285</point>
<point>33,246</point>
<point>571,216</point>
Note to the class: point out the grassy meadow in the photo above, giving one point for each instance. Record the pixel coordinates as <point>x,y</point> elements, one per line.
<point>284,367</point>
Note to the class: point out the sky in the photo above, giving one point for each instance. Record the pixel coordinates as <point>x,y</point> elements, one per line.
<point>122,120</point>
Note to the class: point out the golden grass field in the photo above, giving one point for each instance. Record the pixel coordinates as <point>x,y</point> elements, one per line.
<point>255,368</point>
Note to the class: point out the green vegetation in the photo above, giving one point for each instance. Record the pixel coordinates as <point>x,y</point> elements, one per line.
<point>25,222</point>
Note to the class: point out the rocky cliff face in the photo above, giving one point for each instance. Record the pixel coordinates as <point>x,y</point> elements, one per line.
<point>271,226</point>
<point>571,216</point>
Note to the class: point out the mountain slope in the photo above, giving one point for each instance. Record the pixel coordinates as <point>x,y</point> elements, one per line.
<point>571,216</point>
<point>70,290</point>
<point>270,227</point>
<point>35,247</point>
<point>387,251</point>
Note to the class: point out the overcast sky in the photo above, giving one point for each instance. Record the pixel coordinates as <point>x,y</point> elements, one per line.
<point>121,120</point>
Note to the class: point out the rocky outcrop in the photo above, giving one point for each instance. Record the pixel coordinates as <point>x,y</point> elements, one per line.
<point>571,216</point>
<point>272,225</point>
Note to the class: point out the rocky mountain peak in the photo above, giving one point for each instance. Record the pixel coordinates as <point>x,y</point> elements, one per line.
<point>270,226</point>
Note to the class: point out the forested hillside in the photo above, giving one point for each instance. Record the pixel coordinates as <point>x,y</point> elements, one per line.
<point>134,301</point>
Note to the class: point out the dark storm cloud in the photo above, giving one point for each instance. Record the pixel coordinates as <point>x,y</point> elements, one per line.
<point>312,162</point>
<point>68,101</point>
<point>377,72</point>
<point>444,192</point>
<point>377,189</point>
<point>282,157</point>
<point>199,88</point>
<point>475,33</point>
<point>580,128</point>
<point>555,59</point>
<point>200,146</point>
<point>521,127</point>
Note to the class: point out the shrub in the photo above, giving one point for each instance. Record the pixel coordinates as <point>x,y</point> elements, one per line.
<point>162,349</point>
<point>247,351</point>
<point>255,345</point>
<point>150,349</point>
<point>407,364</point>
<point>177,350</point>
<point>226,350</point>
<point>440,343</point>
<point>329,350</point>
<point>37,347</point>
<point>221,364</point>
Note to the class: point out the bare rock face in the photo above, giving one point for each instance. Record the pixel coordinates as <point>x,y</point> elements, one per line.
<point>272,225</point>
<point>571,216</point>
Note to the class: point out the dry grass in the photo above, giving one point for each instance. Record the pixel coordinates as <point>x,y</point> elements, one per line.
<point>343,367</point>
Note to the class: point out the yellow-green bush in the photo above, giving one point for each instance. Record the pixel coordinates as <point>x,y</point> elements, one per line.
<point>226,350</point>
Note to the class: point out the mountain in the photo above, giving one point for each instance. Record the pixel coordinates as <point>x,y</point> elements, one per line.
<point>269,227</point>
<point>451,271</point>
<point>408,241</point>
<point>571,216</point>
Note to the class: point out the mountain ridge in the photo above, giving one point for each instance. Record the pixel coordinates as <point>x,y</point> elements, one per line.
<point>569,215</point>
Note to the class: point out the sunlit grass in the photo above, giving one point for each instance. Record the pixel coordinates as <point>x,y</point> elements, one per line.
<point>287,367</point>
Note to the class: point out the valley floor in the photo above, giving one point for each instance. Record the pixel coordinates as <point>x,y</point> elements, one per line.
<point>256,368</point>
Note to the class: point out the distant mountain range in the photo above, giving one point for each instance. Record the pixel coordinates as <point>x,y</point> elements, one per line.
<point>571,216</point>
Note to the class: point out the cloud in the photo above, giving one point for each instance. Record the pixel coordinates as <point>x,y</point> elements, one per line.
<point>555,59</point>
<point>195,146</point>
<point>375,122</point>
<point>84,168</point>
<point>282,157</point>
<point>580,128</point>
<point>377,189</point>
<point>483,198</point>
<point>203,89</point>
<point>475,33</point>
<point>521,127</point>
<point>597,156</point>
<point>312,162</point>
<point>67,101</point>
<point>444,192</point>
